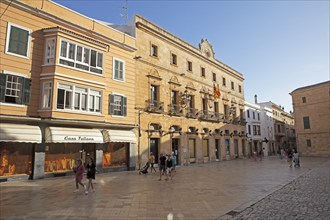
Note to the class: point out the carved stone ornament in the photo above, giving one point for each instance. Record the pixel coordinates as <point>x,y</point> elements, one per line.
<point>206,49</point>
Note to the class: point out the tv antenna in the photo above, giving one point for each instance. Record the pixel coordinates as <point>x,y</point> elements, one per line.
<point>125,14</point>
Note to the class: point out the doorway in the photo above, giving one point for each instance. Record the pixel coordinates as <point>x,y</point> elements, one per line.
<point>217,149</point>
<point>154,142</point>
<point>175,149</point>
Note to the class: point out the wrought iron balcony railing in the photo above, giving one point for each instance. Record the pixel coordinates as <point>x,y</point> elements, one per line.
<point>175,109</point>
<point>154,106</point>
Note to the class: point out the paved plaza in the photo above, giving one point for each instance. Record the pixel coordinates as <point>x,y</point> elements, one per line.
<point>238,189</point>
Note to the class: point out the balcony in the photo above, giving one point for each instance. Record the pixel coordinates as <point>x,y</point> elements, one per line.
<point>175,109</point>
<point>154,106</point>
<point>192,113</point>
<point>211,116</point>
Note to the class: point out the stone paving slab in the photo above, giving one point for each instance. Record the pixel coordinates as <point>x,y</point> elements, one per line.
<point>203,191</point>
<point>307,197</point>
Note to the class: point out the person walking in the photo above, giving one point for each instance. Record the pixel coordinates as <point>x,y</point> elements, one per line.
<point>91,170</point>
<point>169,166</point>
<point>290,155</point>
<point>152,162</point>
<point>162,168</point>
<point>79,169</point>
<point>173,161</point>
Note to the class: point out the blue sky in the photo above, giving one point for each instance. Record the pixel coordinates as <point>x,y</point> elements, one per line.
<point>278,46</point>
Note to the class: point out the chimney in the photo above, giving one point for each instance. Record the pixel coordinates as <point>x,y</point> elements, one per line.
<point>255,99</point>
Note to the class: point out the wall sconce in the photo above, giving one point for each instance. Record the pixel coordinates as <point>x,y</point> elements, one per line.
<point>231,134</point>
<point>196,131</point>
<point>265,140</point>
<point>137,57</point>
<point>221,133</point>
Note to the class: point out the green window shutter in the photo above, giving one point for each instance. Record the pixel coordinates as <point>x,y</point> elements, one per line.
<point>111,107</point>
<point>26,91</point>
<point>2,87</point>
<point>18,41</point>
<point>124,106</point>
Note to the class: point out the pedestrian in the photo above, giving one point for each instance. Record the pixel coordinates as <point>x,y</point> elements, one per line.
<point>152,162</point>
<point>282,154</point>
<point>173,161</point>
<point>79,170</point>
<point>162,168</point>
<point>91,170</point>
<point>290,155</point>
<point>168,166</point>
<point>260,154</point>
<point>296,158</point>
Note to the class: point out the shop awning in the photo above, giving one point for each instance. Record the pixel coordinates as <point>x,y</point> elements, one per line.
<point>119,136</point>
<point>19,133</point>
<point>72,135</point>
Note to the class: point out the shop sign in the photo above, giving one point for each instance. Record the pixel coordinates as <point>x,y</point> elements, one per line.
<point>78,138</point>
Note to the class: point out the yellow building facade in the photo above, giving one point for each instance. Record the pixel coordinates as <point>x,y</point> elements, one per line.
<point>312,119</point>
<point>67,91</point>
<point>188,102</point>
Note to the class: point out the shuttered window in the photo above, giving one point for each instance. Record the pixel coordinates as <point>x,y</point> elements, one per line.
<point>118,105</point>
<point>18,39</point>
<point>15,89</point>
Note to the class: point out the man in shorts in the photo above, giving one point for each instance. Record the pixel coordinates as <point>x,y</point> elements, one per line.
<point>162,167</point>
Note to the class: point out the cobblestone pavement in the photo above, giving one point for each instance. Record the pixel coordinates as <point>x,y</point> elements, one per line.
<point>307,197</point>
<point>267,189</point>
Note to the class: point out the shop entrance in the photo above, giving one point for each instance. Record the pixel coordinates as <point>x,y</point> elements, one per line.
<point>154,146</point>
<point>175,149</point>
<point>217,149</point>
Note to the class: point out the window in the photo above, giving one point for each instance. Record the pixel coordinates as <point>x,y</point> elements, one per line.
<point>81,57</point>
<point>72,97</point>
<point>50,51</point>
<point>253,115</point>
<point>216,107</point>
<point>64,97</point>
<point>118,70</point>
<point>232,86</point>
<point>80,99</point>
<point>47,95</point>
<point>248,113</point>
<point>18,40</point>
<point>174,60</point>
<point>258,117</point>
<point>304,99</point>
<point>214,77</point>
<point>14,89</point>
<point>306,123</point>
<point>309,143</point>
<point>154,50</point>
<point>240,89</point>
<point>202,72</point>
<point>223,81</point>
<point>249,129</point>
<point>94,101</point>
<point>118,105</point>
<point>189,66</point>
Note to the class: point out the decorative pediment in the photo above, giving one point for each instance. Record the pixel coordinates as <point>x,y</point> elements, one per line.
<point>154,74</point>
<point>206,49</point>
<point>204,90</point>
<point>190,86</point>
<point>174,80</point>
<point>225,97</point>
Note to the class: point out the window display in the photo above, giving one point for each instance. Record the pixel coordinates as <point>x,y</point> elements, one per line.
<point>115,155</point>
<point>62,157</point>
<point>15,159</point>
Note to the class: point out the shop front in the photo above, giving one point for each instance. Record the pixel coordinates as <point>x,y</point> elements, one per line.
<point>118,150</point>
<point>17,142</point>
<point>63,146</point>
